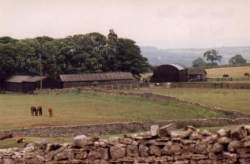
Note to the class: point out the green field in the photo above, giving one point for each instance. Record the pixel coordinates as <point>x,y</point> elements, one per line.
<point>234,72</point>
<point>228,99</point>
<point>90,107</point>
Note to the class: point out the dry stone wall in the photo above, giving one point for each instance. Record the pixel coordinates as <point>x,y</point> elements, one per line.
<point>239,85</point>
<point>118,128</point>
<point>163,145</point>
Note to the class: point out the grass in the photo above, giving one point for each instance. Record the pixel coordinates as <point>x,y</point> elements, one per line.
<point>234,72</point>
<point>228,99</point>
<point>88,107</point>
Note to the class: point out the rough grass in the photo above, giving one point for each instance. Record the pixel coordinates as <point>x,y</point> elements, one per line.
<point>90,107</point>
<point>234,72</point>
<point>228,99</point>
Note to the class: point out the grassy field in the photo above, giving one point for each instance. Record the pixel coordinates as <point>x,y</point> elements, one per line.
<point>234,72</point>
<point>228,99</point>
<point>90,107</point>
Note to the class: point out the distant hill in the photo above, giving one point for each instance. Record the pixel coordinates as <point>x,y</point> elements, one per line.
<point>186,56</point>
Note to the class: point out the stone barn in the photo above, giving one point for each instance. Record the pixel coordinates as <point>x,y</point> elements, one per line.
<point>170,73</point>
<point>197,74</point>
<point>28,83</point>
<point>95,79</point>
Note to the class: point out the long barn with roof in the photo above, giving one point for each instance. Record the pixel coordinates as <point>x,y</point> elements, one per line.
<point>88,79</point>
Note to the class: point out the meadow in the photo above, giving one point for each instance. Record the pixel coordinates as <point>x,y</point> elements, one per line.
<point>227,99</point>
<point>233,72</point>
<point>87,107</point>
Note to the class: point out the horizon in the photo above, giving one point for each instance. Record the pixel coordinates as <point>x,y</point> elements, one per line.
<point>145,46</point>
<point>163,24</point>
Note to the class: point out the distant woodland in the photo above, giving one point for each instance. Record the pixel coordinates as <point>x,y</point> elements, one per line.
<point>92,52</point>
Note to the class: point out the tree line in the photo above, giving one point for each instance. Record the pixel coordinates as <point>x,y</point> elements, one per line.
<point>212,58</point>
<point>83,53</point>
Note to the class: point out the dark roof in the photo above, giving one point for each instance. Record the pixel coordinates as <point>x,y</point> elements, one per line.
<point>25,78</point>
<point>196,71</point>
<point>97,76</point>
<point>178,66</point>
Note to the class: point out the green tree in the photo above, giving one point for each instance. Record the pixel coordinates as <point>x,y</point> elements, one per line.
<point>237,59</point>
<point>212,56</point>
<point>129,57</point>
<point>92,52</point>
<point>7,58</point>
<point>199,62</point>
<point>7,39</point>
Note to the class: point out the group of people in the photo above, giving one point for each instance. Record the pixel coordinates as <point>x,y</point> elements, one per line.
<point>38,111</point>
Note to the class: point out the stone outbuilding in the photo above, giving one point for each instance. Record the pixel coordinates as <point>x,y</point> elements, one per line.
<point>197,74</point>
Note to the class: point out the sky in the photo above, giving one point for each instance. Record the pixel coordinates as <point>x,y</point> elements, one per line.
<point>159,23</point>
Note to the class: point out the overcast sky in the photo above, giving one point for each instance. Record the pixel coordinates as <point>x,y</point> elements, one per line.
<point>159,23</point>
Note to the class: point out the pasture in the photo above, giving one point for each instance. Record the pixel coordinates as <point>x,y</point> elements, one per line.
<point>87,107</point>
<point>228,99</point>
<point>233,72</point>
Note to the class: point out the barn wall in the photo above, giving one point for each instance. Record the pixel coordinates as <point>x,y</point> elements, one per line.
<point>49,84</point>
<point>183,76</point>
<point>29,87</point>
<point>1,85</point>
<point>197,77</point>
<point>91,83</point>
<point>15,87</point>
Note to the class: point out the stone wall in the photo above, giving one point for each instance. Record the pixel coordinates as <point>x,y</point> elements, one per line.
<point>211,85</point>
<point>119,128</point>
<point>163,145</point>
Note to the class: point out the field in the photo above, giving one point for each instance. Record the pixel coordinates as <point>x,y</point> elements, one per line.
<point>234,72</point>
<point>228,99</point>
<point>90,107</point>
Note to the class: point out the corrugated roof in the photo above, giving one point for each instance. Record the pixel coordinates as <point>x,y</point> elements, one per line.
<point>25,78</point>
<point>96,76</point>
<point>178,66</point>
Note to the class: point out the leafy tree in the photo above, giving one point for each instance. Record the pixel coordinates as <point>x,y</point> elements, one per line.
<point>7,58</point>
<point>237,59</point>
<point>92,52</point>
<point>7,39</point>
<point>199,62</point>
<point>129,57</point>
<point>212,56</point>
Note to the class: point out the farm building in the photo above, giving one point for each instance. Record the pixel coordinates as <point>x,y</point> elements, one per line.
<point>177,73</point>
<point>28,83</point>
<point>2,79</point>
<point>170,73</point>
<point>197,74</point>
<point>90,79</point>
